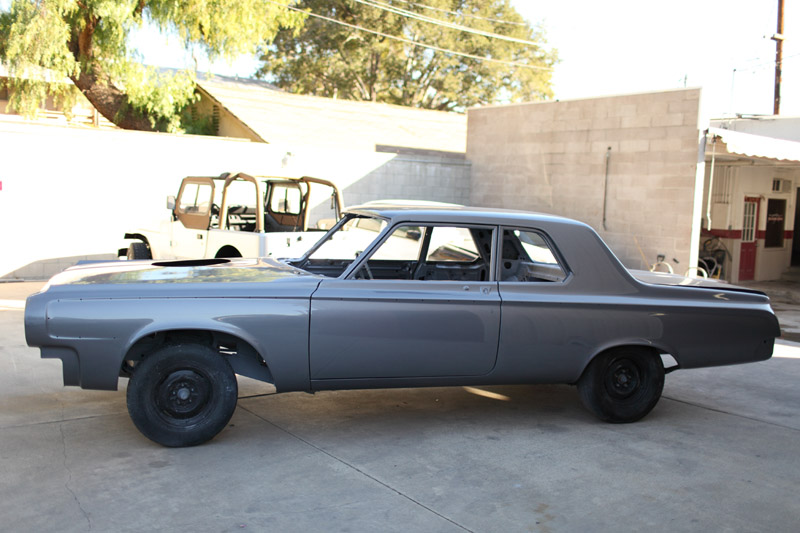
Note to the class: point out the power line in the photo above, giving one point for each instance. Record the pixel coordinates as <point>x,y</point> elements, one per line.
<point>470,15</point>
<point>409,41</point>
<point>767,64</point>
<point>445,23</point>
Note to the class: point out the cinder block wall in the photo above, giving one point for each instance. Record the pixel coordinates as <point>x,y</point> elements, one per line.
<point>415,177</point>
<point>551,157</point>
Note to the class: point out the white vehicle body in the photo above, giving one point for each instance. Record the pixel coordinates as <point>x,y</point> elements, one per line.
<point>271,217</point>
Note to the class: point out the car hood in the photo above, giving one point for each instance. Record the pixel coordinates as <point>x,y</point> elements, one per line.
<point>249,278</point>
<point>178,271</point>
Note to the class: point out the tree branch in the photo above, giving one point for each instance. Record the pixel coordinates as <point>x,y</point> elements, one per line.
<point>407,72</point>
<point>85,37</point>
<point>110,102</point>
<point>425,82</point>
<point>360,85</point>
<point>137,12</point>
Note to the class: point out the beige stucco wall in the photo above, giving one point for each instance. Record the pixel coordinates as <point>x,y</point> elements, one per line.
<point>551,157</point>
<point>94,185</point>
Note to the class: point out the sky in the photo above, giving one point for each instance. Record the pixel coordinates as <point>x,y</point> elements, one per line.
<point>609,47</point>
<point>624,46</point>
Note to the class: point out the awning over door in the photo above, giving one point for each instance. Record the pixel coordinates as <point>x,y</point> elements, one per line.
<point>758,145</point>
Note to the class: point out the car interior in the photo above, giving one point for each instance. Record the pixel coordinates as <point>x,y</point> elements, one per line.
<point>446,253</point>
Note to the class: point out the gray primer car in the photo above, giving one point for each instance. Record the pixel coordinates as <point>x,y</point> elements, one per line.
<point>393,296</point>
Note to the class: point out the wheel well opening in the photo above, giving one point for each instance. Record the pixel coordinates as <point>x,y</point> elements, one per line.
<point>243,358</point>
<point>138,236</point>
<point>228,251</point>
<point>664,357</point>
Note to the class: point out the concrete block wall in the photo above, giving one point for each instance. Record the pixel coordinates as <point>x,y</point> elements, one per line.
<point>414,177</point>
<point>552,157</point>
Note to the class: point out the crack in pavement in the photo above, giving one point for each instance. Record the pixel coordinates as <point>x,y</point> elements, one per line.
<point>62,420</point>
<point>722,411</point>
<point>66,484</point>
<point>353,467</point>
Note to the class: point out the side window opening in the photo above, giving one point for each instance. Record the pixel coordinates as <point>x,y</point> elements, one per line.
<point>195,198</point>
<point>423,253</point>
<point>286,200</point>
<point>528,257</point>
<point>452,245</point>
<point>241,197</point>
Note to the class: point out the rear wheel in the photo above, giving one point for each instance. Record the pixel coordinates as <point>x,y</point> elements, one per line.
<point>622,385</point>
<point>182,395</point>
<point>139,250</point>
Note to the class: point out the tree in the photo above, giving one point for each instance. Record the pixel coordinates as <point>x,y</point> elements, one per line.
<point>43,42</point>
<point>329,59</point>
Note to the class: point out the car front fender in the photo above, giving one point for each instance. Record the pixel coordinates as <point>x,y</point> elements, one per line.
<point>102,332</point>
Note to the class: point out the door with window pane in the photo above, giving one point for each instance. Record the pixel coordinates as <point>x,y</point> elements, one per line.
<point>423,304</point>
<point>747,258</point>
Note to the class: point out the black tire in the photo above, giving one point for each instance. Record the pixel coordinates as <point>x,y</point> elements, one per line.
<point>622,385</point>
<point>139,250</point>
<point>182,395</point>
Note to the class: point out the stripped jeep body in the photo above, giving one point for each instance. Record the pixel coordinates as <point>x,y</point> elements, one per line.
<point>270,215</point>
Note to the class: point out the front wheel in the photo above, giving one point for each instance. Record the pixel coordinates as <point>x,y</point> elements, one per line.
<point>622,385</point>
<point>138,250</point>
<point>182,395</point>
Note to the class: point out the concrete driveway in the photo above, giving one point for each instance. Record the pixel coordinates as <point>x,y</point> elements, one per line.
<point>719,453</point>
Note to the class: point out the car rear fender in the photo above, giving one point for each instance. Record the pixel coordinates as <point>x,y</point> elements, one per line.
<point>655,348</point>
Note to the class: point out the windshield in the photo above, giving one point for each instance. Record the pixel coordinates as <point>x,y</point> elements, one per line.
<point>349,240</point>
<point>342,245</point>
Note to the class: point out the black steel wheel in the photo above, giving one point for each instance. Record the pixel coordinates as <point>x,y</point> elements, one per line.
<point>139,250</point>
<point>622,385</point>
<point>182,395</point>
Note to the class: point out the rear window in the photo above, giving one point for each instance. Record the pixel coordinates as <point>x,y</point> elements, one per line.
<point>528,257</point>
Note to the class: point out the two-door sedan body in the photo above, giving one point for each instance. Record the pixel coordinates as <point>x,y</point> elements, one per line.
<point>392,296</point>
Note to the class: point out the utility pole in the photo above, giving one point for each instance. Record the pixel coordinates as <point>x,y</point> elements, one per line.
<point>778,38</point>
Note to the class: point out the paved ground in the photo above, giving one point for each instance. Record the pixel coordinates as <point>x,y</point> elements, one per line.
<point>719,453</point>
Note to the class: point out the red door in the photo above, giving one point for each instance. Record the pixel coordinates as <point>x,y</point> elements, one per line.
<point>747,259</point>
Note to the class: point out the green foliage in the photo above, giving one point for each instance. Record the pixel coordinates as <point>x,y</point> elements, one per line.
<point>224,28</point>
<point>159,95</point>
<point>194,122</point>
<point>87,41</point>
<point>29,96</point>
<point>328,59</point>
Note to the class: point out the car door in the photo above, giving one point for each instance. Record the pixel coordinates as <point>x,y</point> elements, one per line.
<point>539,340</point>
<point>192,218</point>
<point>425,309</point>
